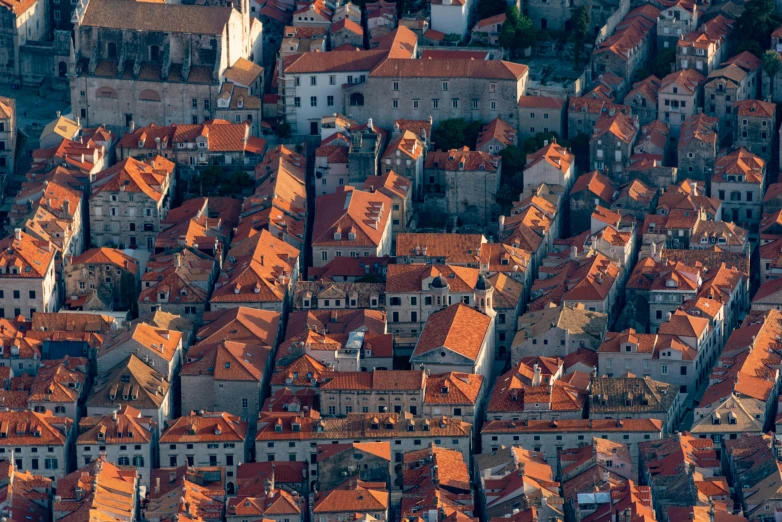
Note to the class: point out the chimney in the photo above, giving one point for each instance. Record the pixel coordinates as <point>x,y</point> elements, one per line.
<point>606,475</point>
<point>694,186</point>
<point>501,226</point>
<point>18,234</point>
<point>132,126</point>
<point>66,207</point>
<point>78,121</point>
<point>177,260</point>
<point>157,485</point>
<point>574,252</point>
<point>58,114</point>
<point>536,377</point>
<point>369,124</point>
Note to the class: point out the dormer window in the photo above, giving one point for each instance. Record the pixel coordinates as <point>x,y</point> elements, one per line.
<point>337,236</point>
<point>278,428</point>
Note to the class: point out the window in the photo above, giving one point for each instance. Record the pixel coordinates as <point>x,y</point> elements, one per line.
<point>332,80</point>
<point>16,294</point>
<point>32,294</point>
<point>313,101</point>
<point>396,86</point>
<point>395,105</point>
<point>313,80</point>
<point>435,103</point>
<point>297,102</point>
<point>415,105</point>
<point>51,464</point>
<point>664,369</point>
<point>330,101</point>
<point>455,103</point>
<point>493,105</point>
<point>445,86</point>
<point>683,370</point>
<point>474,104</point>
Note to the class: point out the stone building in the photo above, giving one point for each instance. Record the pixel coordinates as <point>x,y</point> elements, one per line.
<point>583,113</point>
<point>496,136</point>
<point>541,114</point>
<point>128,201</point>
<point>158,348</point>
<point>612,143</point>
<point>227,376</point>
<point>552,436</point>
<point>675,20</point>
<point>158,63</point>
<point>400,190</point>
<point>632,43</point>
<point>724,87</point>
<point>462,182</point>
<point>123,438</point>
<point>705,49</point>
<point>642,99</point>
<point>313,84</point>
<point>28,278</point>
<point>367,143</point>
<point>635,398</point>
<point>697,148</point>
<point>679,97</point>
<point>488,30</point>
<point>22,23</point>
<point>352,223</point>
<point>574,328</point>
<point>109,273</point>
<point>370,460</point>
<point>347,32</point>
<point>739,181</point>
<point>33,432</point>
<point>589,191</point>
<point>754,124</point>
<point>405,155</point>
<point>459,338</point>
<point>191,440</point>
<point>443,88</point>
<point>8,126</point>
<point>552,165</point>
<point>194,146</point>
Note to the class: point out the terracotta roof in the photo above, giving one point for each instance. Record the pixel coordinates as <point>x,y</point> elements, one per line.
<point>596,183</point>
<point>453,248</point>
<point>740,163</point>
<point>453,68</point>
<point>375,381</point>
<point>755,108</point>
<point>498,130</point>
<point>618,124</point>
<point>25,257</point>
<point>163,343</point>
<point>698,127</point>
<point>391,184</point>
<point>462,159</point>
<point>540,102</point>
<point>150,177</point>
<point>127,427</point>
<point>227,361</point>
<point>351,211</point>
<point>688,79</point>
<point>351,499</point>
<point>131,382</point>
<point>107,256</point>
<point>27,428</point>
<point>647,88</point>
<point>746,60</point>
<point>630,32</point>
<point>573,425</point>
<point>555,155</point>
<point>240,324</point>
<point>407,143</point>
<point>157,17</point>
<point>243,72</point>
<point>453,388</point>
<point>458,328</point>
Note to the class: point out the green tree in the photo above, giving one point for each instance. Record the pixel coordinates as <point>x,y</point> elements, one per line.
<point>772,65</point>
<point>284,130</point>
<point>579,24</point>
<point>756,23</point>
<point>456,133</point>
<point>663,62</point>
<point>507,36</point>
<point>487,8</point>
<point>525,34</point>
<point>513,159</point>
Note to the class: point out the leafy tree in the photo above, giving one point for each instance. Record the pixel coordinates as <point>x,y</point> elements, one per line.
<point>284,130</point>
<point>772,65</point>
<point>525,34</point>
<point>507,36</point>
<point>487,8</point>
<point>513,159</point>
<point>456,133</point>
<point>756,23</point>
<point>579,24</point>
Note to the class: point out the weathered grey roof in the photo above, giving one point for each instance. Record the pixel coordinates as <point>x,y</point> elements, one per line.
<point>645,395</point>
<point>164,18</point>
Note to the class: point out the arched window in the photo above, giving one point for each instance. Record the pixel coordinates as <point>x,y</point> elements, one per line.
<point>356,99</point>
<point>149,95</point>
<point>106,92</point>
